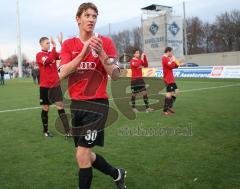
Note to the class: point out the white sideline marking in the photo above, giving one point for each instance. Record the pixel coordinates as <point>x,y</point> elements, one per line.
<point>207,81</point>
<point>20,109</point>
<point>181,91</point>
<point>208,88</point>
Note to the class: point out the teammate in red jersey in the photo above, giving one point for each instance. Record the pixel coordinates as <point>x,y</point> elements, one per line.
<point>50,90</point>
<point>86,61</point>
<point>137,83</point>
<point>168,64</point>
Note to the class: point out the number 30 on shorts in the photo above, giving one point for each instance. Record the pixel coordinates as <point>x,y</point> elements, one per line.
<point>91,135</point>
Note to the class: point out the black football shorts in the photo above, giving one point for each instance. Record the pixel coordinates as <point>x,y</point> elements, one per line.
<point>171,87</point>
<point>49,96</point>
<point>88,121</point>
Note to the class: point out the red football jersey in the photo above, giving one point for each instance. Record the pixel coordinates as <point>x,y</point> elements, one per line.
<point>47,68</point>
<point>90,79</point>
<point>136,67</point>
<point>168,64</point>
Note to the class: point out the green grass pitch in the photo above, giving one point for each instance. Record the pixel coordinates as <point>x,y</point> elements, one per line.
<point>207,158</point>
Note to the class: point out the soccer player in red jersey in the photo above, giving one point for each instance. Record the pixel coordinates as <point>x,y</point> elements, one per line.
<point>86,61</point>
<point>137,83</point>
<point>168,64</point>
<point>50,90</point>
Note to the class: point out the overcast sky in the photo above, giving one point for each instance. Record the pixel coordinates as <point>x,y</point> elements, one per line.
<point>49,17</point>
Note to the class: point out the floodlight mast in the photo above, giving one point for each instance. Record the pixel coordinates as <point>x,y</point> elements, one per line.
<point>19,53</point>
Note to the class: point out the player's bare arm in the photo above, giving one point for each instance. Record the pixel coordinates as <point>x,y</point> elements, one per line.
<point>52,41</point>
<point>60,38</point>
<point>72,66</point>
<point>142,56</point>
<point>112,69</point>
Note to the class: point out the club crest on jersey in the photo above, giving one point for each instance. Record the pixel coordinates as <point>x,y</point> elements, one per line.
<point>44,58</point>
<point>87,66</point>
<point>95,55</point>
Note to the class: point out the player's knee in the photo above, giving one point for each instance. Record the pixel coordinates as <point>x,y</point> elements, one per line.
<point>45,108</point>
<point>83,156</point>
<point>59,105</point>
<point>169,95</point>
<point>144,93</point>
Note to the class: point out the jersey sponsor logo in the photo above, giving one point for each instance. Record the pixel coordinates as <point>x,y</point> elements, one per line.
<point>87,66</point>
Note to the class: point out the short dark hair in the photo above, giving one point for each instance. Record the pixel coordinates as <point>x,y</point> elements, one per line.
<point>42,39</point>
<point>137,49</point>
<point>84,6</point>
<point>168,49</point>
